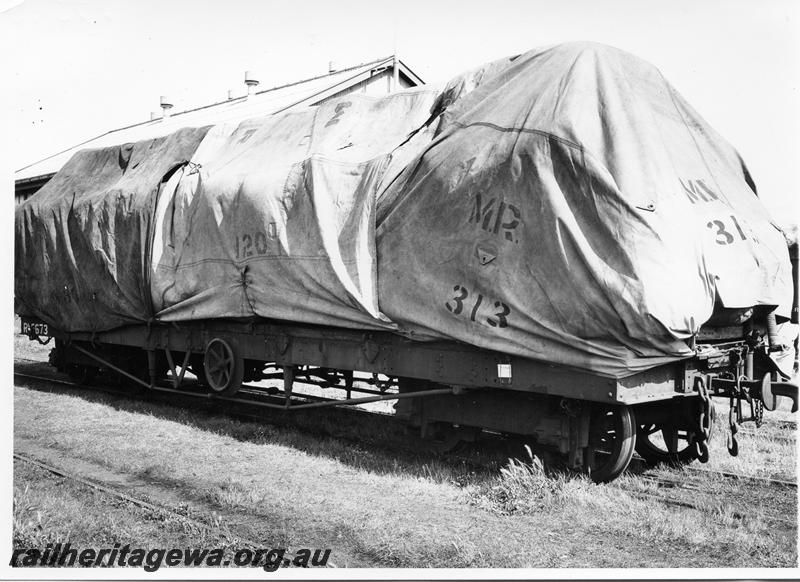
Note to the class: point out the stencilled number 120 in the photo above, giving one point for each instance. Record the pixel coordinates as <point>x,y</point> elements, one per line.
<point>247,245</point>
<point>461,300</point>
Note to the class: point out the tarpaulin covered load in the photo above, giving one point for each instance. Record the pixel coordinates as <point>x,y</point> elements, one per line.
<point>566,205</point>
<point>574,208</point>
<point>273,217</point>
<point>81,254</point>
<point>278,217</point>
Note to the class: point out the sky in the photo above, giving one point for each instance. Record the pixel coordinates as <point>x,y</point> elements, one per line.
<point>80,68</point>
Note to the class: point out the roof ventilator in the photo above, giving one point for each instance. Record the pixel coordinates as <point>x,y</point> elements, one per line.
<point>166,105</point>
<point>251,82</point>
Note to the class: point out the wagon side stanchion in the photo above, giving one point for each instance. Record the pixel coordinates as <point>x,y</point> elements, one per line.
<point>348,383</point>
<point>288,384</point>
<point>152,369</point>
<point>177,379</point>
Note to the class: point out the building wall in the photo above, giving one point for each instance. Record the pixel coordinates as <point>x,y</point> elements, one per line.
<point>24,189</point>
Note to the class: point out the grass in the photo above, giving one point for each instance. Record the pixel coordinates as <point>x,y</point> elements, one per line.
<point>768,452</point>
<point>50,509</point>
<point>283,486</point>
<point>527,488</point>
<point>380,509</point>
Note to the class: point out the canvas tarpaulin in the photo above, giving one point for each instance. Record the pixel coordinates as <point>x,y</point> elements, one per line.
<point>575,209</point>
<point>277,219</point>
<point>565,205</point>
<point>82,241</point>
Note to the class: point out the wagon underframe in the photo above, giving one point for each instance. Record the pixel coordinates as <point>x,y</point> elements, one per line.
<point>451,391</point>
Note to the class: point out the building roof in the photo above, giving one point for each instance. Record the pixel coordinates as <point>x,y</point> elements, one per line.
<point>267,102</point>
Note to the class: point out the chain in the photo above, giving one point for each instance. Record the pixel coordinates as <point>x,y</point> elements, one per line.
<point>700,441</point>
<point>734,414</point>
<point>705,410</point>
<point>757,407</point>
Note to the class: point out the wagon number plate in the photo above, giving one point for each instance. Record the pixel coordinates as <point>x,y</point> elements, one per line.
<point>33,327</point>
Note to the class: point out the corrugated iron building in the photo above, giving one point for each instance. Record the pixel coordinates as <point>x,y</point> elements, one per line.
<point>374,78</point>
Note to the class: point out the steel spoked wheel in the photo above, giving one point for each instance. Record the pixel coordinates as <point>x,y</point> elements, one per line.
<point>222,367</point>
<point>664,443</point>
<point>612,440</point>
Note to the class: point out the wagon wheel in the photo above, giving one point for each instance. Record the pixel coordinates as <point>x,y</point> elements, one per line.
<point>80,374</point>
<point>665,443</point>
<point>223,369</point>
<point>612,439</point>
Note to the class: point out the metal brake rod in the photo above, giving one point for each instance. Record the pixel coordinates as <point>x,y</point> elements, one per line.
<point>327,403</point>
<point>324,404</point>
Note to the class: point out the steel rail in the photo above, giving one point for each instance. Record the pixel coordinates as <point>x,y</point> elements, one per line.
<point>756,434</point>
<point>46,379</point>
<point>669,500</point>
<point>741,477</point>
<point>132,395</point>
<point>256,415</point>
<point>326,403</point>
<point>157,509</point>
<point>666,499</point>
<point>105,489</point>
<point>300,378</point>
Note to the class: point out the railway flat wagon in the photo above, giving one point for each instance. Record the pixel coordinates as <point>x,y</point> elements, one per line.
<point>554,246</point>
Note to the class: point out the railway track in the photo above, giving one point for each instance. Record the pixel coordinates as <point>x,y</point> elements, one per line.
<point>257,393</point>
<point>351,424</point>
<point>692,488</point>
<point>740,497</point>
<point>151,507</point>
<point>201,522</point>
<point>768,481</point>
